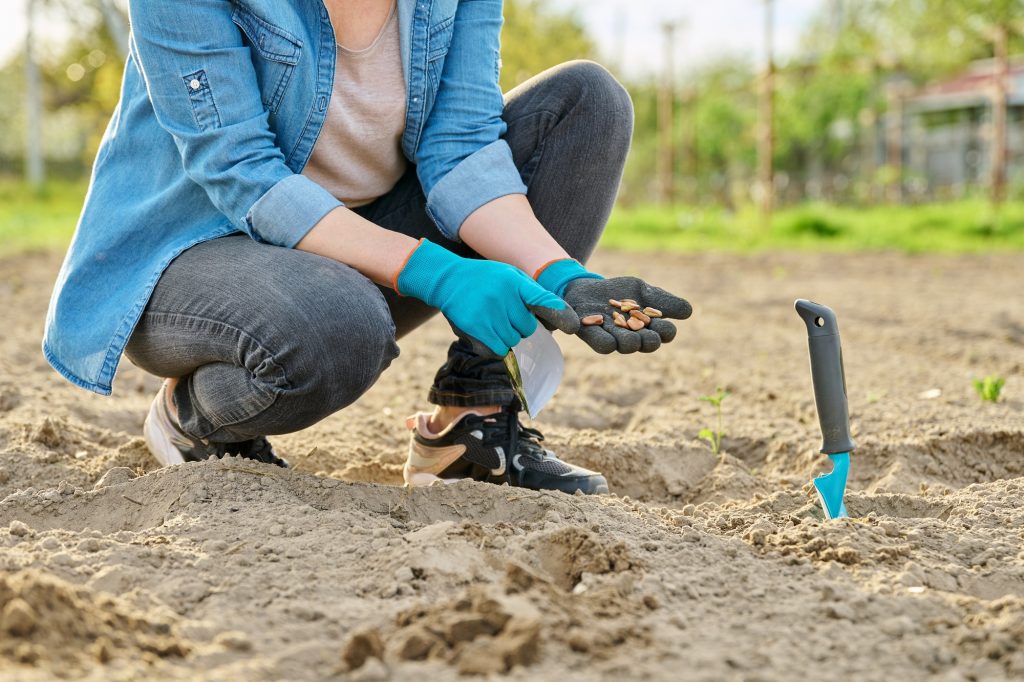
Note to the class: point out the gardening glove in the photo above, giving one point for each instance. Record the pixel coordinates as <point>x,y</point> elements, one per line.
<point>588,294</point>
<point>491,305</point>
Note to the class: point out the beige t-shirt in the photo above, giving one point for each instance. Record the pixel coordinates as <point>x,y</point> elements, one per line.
<point>358,156</point>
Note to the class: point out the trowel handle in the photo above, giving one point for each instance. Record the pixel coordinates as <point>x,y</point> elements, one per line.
<point>828,376</point>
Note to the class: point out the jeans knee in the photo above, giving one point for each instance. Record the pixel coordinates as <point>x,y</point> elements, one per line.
<point>323,378</point>
<point>348,353</point>
<point>377,349</point>
<point>601,95</point>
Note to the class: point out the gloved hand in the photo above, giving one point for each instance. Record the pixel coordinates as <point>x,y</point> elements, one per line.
<point>491,305</point>
<point>588,294</point>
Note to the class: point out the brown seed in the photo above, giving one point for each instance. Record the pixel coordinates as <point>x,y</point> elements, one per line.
<point>635,324</point>
<point>591,320</point>
<point>652,312</point>
<point>615,303</point>
<point>627,306</point>
<point>640,316</point>
<point>619,320</point>
<point>629,300</point>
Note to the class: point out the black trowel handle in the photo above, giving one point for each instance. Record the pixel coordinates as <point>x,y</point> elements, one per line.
<point>827,375</point>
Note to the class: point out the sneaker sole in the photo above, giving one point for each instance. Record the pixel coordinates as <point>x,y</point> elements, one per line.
<point>157,440</point>
<point>423,480</point>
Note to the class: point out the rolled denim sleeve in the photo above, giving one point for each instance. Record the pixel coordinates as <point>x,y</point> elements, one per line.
<point>462,160</point>
<point>289,209</point>
<point>202,84</point>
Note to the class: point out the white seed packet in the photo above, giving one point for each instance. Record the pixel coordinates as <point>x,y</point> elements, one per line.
<point>536,365</point>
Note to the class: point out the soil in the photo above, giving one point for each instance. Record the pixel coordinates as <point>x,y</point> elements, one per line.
<point>699,566</point>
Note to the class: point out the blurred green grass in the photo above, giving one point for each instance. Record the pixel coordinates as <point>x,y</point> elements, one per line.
<point>965,226</point>
<point>38,219</point>
<point>45,219</point>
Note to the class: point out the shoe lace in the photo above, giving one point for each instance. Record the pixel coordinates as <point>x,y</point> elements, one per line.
<point>506,429</point>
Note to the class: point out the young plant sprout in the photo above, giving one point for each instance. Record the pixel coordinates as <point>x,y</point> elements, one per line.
<point>989,388</point>
<point>714,438</point>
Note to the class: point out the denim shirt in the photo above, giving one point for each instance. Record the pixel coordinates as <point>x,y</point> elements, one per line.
<point>221,104</point>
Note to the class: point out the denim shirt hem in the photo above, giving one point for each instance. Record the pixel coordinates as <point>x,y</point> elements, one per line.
<point>51,357</point>
<point>115,347</point>
<point>484,175</point>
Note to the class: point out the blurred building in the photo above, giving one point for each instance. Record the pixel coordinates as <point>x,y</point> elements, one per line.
<point>948,131</point>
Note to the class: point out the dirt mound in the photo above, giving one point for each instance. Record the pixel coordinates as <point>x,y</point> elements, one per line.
<point>478,634</point>
<point>48,622</point>
<point>491,630</point>
<point>952,460</point>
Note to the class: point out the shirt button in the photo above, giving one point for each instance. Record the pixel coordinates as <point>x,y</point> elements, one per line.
<point>415,99</point>
<point>194,84</point>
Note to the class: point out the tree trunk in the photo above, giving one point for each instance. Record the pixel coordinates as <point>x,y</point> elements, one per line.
<point>34,169</point>
<point>998,146</point>
<point>766,128</point>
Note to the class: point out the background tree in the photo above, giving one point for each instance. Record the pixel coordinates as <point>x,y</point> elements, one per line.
<point>80,83</point>
<point>830,106</point>
<point>535,38</point>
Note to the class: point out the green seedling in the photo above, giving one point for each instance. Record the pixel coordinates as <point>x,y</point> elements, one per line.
<point>714,438</point>
<point>989,388</point>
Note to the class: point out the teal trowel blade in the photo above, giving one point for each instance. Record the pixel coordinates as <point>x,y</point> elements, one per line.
<point>832,486</point>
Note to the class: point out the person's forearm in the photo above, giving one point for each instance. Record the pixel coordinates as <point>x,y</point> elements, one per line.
<point>349,238</point>
<point>506,230</point>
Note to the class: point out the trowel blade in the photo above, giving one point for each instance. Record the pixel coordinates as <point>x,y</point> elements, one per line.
<point>536,365</point>
<point>832,486</point>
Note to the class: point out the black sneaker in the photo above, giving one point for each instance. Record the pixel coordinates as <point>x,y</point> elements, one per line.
<point>170,445</point>
<point>495,448</point>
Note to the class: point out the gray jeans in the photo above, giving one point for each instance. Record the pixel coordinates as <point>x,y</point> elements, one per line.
<point>263,337</point>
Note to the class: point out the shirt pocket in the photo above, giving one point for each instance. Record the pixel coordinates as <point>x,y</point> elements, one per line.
<point>275,53</point>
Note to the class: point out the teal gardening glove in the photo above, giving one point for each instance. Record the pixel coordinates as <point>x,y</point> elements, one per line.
<point>588,293</point>
<point>492,305</point>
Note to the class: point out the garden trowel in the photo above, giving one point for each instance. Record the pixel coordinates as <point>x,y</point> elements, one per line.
<point>830,399</point>
<point>535,365</point>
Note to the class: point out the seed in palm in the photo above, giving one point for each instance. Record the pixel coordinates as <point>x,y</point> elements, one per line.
<point>637,315</point>
<point>636,320</point>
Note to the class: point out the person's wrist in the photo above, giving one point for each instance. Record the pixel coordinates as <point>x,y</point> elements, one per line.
<point>423,271</point>
<point>556,275</point>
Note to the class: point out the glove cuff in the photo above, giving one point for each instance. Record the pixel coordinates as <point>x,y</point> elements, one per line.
<point>555,275</point>
<point>422,273</point>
